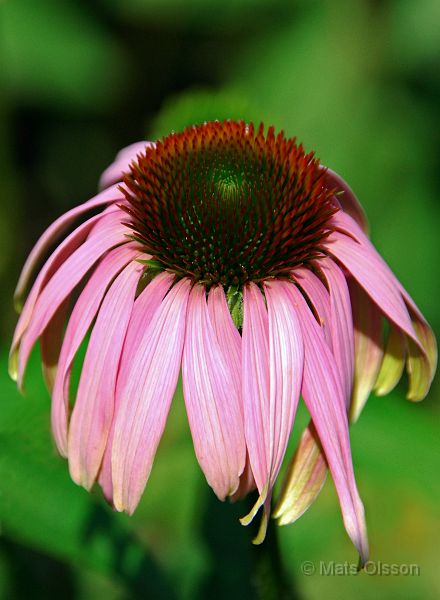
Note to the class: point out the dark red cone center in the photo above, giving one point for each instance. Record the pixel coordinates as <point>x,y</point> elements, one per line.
<point>223,203</point>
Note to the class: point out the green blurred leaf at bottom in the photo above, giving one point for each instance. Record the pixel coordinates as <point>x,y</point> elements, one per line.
<point>41,508</point>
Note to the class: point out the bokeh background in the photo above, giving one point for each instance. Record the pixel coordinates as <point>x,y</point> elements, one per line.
<point>357,81</point>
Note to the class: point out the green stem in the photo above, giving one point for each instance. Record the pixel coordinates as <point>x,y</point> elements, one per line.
<point>269,577</point>
<point>240,570</point>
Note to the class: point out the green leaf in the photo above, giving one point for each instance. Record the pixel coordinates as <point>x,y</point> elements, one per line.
<point>41,507</point>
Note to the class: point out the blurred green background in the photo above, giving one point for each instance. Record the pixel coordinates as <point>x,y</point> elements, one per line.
<point>359,82</point>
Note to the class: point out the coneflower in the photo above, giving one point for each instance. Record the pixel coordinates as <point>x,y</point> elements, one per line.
<point>230,256</point>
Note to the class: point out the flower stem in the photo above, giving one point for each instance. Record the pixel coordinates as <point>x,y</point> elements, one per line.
<point>240,570</point>
<point>269,577</point>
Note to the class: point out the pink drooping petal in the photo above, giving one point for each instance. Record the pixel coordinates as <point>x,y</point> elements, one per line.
<point>363,262</point>
<point>347,198</point>
<point>345,224</point>
<point>50,344</point>
<point>256,386</point>
<point>269,413</point>
<point>52,234</point>
<point>333,312</point>
<point>368,347</point>
<point>341,323</point>
<point>393,300</point>
<point>323,394</point>
<point>144,392</point>
<point>308,468</point>
<point>304,479</point>
<point>286,360</point>
<point>212,398</point>
<point>93,411</point>
<point>145,306</point>
<point>82,316</point>
<point>318,296</point>
<point>230,343</point>
<point>227,334</point>
<point>68,276</point>
<point>121,164</point>
<point>59,256</point>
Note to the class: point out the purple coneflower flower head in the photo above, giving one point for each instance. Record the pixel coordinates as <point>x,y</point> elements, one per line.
<point>230,256</point>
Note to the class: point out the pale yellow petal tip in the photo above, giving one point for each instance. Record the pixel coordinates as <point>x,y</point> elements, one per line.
<point>262,530</point>
<point>382,390</point>
<point>282,510</point>
<point>120,506</point>
<point>413,396</point>
<point>419,376</point>
<point>359,398</point>
<point>291,507</point>
<point>393,363</point>
<point>304,479</point>
<point>388,378</point>
<point>288,515</point>
<point>18,304</point>
<point>278,510</point>
<point>247,519</point>
<point>13,371</point>
<point>283,519</point>
<point>354,413</point>
<point>79,476</point>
